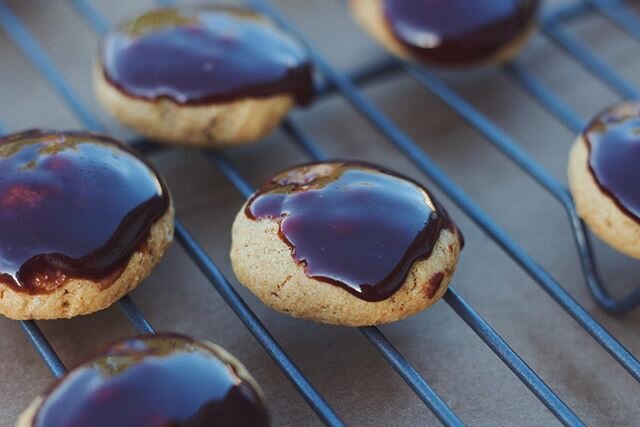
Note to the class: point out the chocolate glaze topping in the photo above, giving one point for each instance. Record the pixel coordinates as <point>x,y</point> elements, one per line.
<point>72,205</point>
<point>205,55</point>
<point>458,32</point>
<point>154,381</point>
<point>351,224</point>
<point>613,140</point>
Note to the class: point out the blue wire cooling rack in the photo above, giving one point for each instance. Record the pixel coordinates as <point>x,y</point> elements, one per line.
<point>332,83</point>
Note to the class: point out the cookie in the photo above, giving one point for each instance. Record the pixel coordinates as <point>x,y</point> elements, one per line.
<point>83,220</point>
<point>452,33</point>
<point>206,76</point>
<point>157,380</point>
<point>344,243</point>
<point>604,174</point>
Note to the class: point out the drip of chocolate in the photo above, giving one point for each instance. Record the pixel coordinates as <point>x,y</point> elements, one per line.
<point>352,225</point>
<point>72,205</point>
<point>613,140</point>
<point>458,32</point>
<point>205,55</point>
<point>154,381</point>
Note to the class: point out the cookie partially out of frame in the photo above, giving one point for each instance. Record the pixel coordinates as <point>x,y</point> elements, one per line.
<point>206,76</point>
<point>604,176</point>
<point>448,33</point>
<point>162,380</point>
<point>83,220</point>
<point>344,243</point>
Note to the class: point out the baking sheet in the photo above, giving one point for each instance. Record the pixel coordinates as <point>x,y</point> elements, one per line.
<point>361,387</point>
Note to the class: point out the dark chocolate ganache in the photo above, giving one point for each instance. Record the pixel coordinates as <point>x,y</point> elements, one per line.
<point>155,381</point>
<point>72,205</point>
<point>351,224</point>
<point>613,140</point>
<point>205,55</point>
<point>458,32</point>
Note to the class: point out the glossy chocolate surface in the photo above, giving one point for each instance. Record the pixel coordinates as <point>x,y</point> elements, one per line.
<point>72,205</point>
<point>205,55</point>
<point>154,381</point>
<point>352,225</point>
<point>458,32</point>
<point>613,139</point>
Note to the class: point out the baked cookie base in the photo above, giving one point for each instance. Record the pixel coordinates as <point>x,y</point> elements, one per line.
<point>217,124</point>
<point>81,296</point>
<point>597,209</point>
<point>263,263</point>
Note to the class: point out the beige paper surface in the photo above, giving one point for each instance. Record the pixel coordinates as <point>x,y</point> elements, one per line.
<point>356,381</point>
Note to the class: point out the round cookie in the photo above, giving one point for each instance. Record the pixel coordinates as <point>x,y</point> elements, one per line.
<point>158,380</point>
<point>604,172</point>
<point>344,243</point>
<point>451,33</point>
<point>205,76</point>
<point>83,220</point>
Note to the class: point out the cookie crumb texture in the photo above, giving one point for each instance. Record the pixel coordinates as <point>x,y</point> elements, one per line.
<point>202,75</point>
<point>453,33</point>
<point>604,176</point>
<point>83,220</point>
<point>344,243</point>
<point>158,380</point>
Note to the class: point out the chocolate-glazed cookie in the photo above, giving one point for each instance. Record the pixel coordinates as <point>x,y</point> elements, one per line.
<point>449,33</point>
<point>344,243</point>
<point>604,172</point>
<point>162,380</point>
<point>83,220</point>
<point>206,75</point>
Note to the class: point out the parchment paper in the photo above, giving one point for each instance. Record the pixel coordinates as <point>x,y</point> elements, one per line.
<point>356,381</point>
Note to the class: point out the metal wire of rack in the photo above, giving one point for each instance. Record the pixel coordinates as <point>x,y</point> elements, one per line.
<point>432,171</point>
<point>335,82</point>
<point>406,371</point>
<point>620,15</point>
